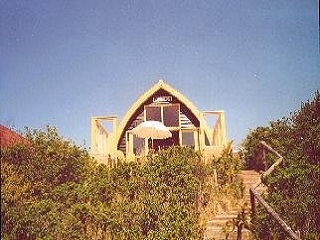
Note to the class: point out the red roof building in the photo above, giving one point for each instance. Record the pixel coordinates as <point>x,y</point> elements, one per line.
<point>9,137</point>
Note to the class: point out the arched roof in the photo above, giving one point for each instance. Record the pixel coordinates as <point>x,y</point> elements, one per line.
<point>145,96</point>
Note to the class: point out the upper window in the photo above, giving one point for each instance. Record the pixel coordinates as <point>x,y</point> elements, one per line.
<point>168,114</point>
<point>153,113</point>
<point>171,115</point>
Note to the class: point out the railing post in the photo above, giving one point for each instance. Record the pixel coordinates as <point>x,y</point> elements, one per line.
<point>215,177</point>
<point>253,205</point>
<point>264,159</point>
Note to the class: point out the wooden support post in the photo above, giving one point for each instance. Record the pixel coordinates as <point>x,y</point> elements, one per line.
<point>253,205</point>
<point>264,159</point>
<point>215,177</point>
<point>239,231</point>
<point>93,136</point>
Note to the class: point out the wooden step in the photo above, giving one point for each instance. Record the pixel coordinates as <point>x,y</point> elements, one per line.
<point>214,227</point>
<point>218,234</point>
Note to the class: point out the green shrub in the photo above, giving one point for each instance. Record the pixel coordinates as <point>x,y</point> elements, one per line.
<point>228,168</point>
<point>293,187</point>
<point>52,189</point>
<point>162,195</point>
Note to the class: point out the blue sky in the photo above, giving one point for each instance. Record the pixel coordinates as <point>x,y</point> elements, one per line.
<point>62,62</point>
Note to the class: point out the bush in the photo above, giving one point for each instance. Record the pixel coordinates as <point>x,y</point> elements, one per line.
<point>293,187</point>
<point>228,168</point>
<point>29,175</point>
<point>52,189</point>
<point>162,195</point>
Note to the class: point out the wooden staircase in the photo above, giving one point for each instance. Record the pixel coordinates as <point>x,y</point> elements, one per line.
<point>214,227</point>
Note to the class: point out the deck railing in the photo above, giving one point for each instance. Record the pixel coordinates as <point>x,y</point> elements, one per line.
<point>255,196</point>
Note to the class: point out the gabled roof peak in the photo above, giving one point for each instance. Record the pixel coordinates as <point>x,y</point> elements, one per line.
<point>148,94</point>
<point>161,81</point>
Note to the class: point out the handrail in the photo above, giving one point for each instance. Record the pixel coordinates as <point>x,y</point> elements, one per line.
<point>272,167</point>
<point>280,159</point>
<point>269,209</point>
<point>254,194</point>
<point>263,143</point>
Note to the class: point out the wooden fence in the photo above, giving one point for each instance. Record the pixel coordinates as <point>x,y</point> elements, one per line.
<point>256,197</point>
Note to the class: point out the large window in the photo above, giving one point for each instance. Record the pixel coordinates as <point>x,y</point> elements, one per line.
<point>138,146</point>
<point>153,113</point>
<point>171,115</point>
<point>168,114</point>
<point>188,138</point>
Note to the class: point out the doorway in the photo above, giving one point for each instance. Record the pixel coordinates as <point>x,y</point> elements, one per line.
<point>168,142</point>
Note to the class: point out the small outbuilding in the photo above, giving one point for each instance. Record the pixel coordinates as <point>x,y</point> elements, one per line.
<point>9,137</point>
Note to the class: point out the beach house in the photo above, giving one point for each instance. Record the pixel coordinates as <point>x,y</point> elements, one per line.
<point>187,124</point>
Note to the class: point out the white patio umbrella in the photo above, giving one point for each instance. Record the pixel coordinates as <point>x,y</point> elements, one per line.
<point>152,129</point>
